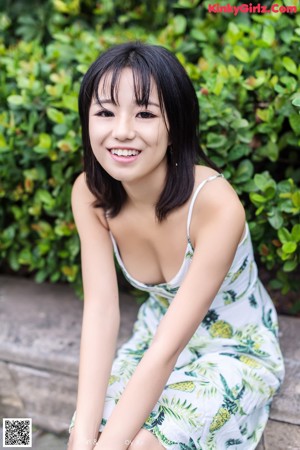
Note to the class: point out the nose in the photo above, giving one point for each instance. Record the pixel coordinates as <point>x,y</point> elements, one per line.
<point>123,128</point>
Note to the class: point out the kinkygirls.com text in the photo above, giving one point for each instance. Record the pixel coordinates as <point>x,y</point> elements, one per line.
<point>216,8</point>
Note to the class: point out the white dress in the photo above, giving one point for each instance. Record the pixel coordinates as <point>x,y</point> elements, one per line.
<point>219,393</point>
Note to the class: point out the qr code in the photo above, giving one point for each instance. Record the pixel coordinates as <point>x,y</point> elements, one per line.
<point>17,432</point>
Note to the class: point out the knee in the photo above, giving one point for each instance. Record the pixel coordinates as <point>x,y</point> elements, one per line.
<point>145,440</point>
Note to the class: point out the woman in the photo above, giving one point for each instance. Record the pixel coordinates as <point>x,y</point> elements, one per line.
<point>203,362</point>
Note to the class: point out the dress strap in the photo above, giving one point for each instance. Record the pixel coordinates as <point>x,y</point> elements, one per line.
<point>189,218</point>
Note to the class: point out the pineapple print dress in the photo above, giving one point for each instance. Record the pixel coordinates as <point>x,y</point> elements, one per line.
<point>219,393</point>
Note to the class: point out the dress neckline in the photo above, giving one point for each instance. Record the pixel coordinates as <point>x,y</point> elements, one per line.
<point>186,261</point>
<point>189,248</point>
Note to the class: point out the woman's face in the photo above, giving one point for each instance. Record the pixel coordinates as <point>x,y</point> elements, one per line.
<point>129,141</point>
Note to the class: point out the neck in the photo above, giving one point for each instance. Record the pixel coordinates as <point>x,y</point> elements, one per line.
<point>144,193</point>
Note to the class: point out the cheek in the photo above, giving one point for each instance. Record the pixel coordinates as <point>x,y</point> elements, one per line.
<point>91,129</point>
<point>162,136</point>
<point>95,132</point>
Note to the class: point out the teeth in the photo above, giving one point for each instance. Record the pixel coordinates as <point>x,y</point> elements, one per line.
<point>121,152</point>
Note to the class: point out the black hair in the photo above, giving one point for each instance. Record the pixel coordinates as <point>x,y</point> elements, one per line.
<point>179,105</point>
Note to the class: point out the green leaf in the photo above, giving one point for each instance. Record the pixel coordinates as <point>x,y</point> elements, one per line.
<point>179,24</point>
<point>275,284</point>
<point>215,140</point>
<point>257,198</point>
<point>272,151</point>
<point>276,220</point>
<point>186,4</point>
<point>270,192</point>
<point>219,84</point>
<point>249,186</point>
<point>289,65</point>
<point>9,233</point>
<point>5,21</point>
<point>296,199</point>
<point>266,115</point>
<point>60,129</point>
<point>289,266</point>
<point>290,82</point>
<point>44,229</point>
<point>13,260</point>
<point>238,151</point>
<point>262,181</point>
<point>55,115</point>
<point>294,120</point>
<point>45,143</point>
<point>239,123</point>
<point>45,197</point>
<point>241,54</point>
<point>70,272</point>
<point>198,35</point>
<point>15,100</point>
<point>17,212</point>
<point>40,276</point>
<point>25,257</point>
<point>62,37</point>
<point>70,102</point>
<point>296,233</point>
<point>233,71</point>
<point>44,247</point>
<point>296,102</point>
<point>62,229</point>
<point>31,174</point>
<point>286,35</point>
<point>67,7</point>
<point>289,247</point>
<point>284,235</point>
<point>3,144</point>
<point>268,34</point>
<point>244,171</point>
<point>260,210</point>
<point>284,186</point>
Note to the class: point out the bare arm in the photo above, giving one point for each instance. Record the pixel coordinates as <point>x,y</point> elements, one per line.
<point>100,322</point>
<point>215,247</point>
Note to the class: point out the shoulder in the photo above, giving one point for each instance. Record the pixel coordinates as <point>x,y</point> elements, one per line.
<point>203,172</point>
<point>217,202</point>
<point>82,200</point>
<point>216,193</point>
<point>80,190</point>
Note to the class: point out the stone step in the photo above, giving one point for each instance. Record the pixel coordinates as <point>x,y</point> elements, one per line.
<point>39,352</point>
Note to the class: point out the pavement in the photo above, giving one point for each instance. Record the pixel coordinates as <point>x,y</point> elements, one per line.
<point>39,353</point>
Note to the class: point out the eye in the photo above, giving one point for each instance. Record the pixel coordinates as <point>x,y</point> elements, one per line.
<point>104,113</point>
<point>145,115</point>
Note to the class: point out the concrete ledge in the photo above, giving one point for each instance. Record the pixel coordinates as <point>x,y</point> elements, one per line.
<point>39,352</point>
<point>286,405</point>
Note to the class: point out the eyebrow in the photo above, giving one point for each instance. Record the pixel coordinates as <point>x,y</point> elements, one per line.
<point>109,101</point>
<point>100,102</point>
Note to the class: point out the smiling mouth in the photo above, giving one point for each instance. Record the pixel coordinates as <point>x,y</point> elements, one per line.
<point>124,152</point>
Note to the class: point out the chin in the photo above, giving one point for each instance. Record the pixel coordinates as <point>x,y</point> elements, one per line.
<point>120,175</point>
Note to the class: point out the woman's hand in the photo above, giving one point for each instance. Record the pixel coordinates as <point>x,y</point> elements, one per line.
<point>77,442</point>
<point>101,446</point>
<point>111,443</point>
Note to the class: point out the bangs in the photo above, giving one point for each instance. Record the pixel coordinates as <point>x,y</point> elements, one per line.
<point>142,81</point>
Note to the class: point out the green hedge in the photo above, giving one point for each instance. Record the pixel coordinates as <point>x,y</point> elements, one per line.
<point>246,72</point>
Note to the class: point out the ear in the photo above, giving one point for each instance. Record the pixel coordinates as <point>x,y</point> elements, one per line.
<point>169,148</point>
